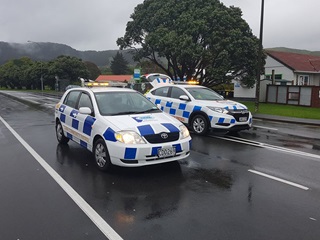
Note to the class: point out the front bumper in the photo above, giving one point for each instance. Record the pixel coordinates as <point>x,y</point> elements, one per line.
<point>146,154</point>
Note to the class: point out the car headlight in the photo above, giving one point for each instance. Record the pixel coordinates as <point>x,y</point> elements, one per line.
<point>129,137</point>
<point>184,132</point>
<point>218,109</point>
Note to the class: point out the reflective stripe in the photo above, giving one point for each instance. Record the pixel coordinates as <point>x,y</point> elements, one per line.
<point>171,127</point>
<point>182,106</point>
<point>83,144</point>
<point>62,108</point>
<point>154,151</point>
<point>62,117</point>
<point>178,147</point>
<point>75,124</point>
<point>109,135</point>
<point>197,108</point>
<point>87,126</point>
<point>130,153</point>
<point>221,120</point>
<point>74,113</point>
<point>145,130</point>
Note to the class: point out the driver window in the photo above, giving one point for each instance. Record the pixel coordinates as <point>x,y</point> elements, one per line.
<point>85,101</point>
<point>177,92</point>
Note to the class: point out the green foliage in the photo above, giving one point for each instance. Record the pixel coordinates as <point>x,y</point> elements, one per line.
<point>93,69</point>
<point>200,38</point>
<point>119,65</point>
<point>24,73</point>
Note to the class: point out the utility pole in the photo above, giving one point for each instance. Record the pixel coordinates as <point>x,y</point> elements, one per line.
<point>259,59</point>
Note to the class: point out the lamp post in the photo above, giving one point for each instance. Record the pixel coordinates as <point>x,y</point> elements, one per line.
<point>259,59</point>
<point>41,67</point>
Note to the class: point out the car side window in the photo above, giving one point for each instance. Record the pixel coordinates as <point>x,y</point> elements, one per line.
<point>85,101</point>
<point>177,92</point>
<point>163,91</point>
<point>71,99</point>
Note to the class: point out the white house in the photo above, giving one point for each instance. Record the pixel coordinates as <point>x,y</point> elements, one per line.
<point>287,69</point>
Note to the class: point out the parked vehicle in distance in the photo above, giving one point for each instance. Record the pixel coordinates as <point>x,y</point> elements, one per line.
<point>120,126</point>
<point>201,108</point>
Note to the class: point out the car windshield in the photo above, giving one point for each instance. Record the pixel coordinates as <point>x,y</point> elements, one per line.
<point>204,94</point>
<point>121,103</point>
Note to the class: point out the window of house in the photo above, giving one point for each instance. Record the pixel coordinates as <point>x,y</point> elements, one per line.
<point>304,80</point>
<point>276,76</point>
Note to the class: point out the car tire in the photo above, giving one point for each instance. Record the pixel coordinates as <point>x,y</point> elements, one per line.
<point>199,124</point>
<point>60,134</point>
<point>101,155</point>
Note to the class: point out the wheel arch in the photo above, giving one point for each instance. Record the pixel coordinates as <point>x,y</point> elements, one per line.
<point>198,113</point>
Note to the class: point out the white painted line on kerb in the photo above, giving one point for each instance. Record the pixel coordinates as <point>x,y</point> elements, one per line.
<point>83,205</point>
<point>267,128</point>
<point>279,180</point>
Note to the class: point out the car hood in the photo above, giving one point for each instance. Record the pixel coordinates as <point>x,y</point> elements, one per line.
<point>144,123</point>
<point>226,104</point>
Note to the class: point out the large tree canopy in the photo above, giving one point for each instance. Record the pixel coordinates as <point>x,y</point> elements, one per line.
<point>202,38</point>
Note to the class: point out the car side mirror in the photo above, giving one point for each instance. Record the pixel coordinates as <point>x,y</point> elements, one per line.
<point>85,110</point>
<point>184,98</point>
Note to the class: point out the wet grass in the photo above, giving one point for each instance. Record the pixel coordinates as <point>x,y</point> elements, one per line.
<point>285,110</point>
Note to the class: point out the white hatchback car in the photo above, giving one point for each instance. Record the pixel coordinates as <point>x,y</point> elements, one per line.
<point>120,126</point>
<point>201,108</point>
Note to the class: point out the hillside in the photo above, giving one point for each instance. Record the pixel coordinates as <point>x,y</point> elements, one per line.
<point>292,50</point>
<point>46,51</point>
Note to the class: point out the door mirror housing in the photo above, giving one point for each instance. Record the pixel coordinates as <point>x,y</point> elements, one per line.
<point>184,98</point>
<point>85,110</point>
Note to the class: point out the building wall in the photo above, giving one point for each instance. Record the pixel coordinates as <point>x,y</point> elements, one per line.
<point>279,68</point>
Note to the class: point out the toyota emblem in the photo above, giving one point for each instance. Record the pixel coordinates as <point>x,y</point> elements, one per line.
<point>164,135</point>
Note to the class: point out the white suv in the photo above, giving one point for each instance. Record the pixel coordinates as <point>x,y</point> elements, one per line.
<point>201,108</point>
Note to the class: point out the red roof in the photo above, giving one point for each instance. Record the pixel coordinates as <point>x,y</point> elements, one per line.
<point>119,78</point>
<point>297,62</point>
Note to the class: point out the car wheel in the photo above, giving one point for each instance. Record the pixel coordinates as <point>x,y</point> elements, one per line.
<point>101,155</point>
<point>199,124</point>
<point>60,134</point>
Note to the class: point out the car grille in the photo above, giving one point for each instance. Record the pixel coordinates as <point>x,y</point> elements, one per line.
<point>239,113</point>
<point>156,138</point>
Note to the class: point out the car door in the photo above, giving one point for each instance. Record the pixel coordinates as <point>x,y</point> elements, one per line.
<point>68,113</point>
<point>178,108</point>
<point>82,123</point>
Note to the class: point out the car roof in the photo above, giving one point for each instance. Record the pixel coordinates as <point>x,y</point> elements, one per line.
<point>181,86</point>
<point>104,89</point>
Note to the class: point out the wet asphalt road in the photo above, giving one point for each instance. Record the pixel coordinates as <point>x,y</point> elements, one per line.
<point>213,194</point>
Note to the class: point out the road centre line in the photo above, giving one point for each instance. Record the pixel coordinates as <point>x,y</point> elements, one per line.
<point>279,180</point>
<point>104,227</point>
<point>267,146</point>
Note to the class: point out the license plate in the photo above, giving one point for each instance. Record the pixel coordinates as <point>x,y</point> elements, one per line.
<point>243,119</point>
<point>166,152</point>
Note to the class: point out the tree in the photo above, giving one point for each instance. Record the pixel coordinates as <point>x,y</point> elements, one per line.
<point>119,65</point>
<point>14,73</point>
<point>93,69</point>
<point>66,67</point>
<point>203,39</point>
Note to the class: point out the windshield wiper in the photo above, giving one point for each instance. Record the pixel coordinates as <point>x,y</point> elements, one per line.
<point>150,110</point>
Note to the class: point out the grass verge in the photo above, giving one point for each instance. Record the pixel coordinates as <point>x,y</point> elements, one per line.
<point>285,110</point>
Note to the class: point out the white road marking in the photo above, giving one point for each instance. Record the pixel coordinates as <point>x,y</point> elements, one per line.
<point>267,128</point>
<point>83,205</point>
<point>268,146</point>
<point>279,180</point>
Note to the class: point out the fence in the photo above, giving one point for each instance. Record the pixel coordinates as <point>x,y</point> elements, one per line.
<point>294,95</point>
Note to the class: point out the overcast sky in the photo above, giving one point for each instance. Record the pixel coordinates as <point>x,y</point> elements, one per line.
<point>96,24</point>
